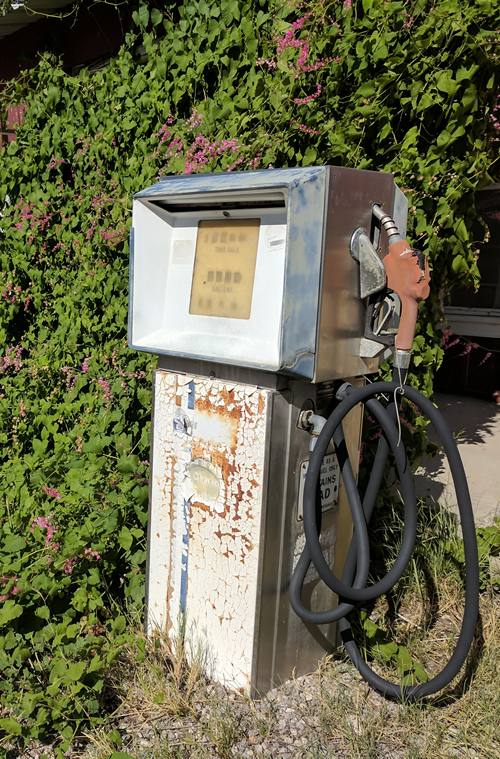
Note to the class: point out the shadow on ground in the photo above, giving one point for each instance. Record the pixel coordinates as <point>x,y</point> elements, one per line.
<point>475,424</point>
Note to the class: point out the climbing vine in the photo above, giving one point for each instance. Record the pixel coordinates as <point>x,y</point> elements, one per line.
<point>220,85</point>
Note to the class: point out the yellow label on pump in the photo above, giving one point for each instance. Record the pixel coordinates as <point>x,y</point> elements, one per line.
<point>224,268</point>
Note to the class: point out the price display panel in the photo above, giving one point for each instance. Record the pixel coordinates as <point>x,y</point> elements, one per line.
<point>224,268</point>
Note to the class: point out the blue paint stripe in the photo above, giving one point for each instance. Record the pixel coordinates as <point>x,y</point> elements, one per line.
<point>190,398</point>
<point>185,556</point>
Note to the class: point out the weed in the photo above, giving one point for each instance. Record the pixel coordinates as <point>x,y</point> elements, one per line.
<point>159,675</point>
<point>221,725</point>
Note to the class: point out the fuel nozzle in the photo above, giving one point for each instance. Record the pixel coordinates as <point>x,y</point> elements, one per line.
<point>408,276</point>
<point>388,223</point>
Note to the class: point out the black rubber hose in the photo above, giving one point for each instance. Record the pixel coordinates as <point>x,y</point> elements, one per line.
<point>356,564</point>
<point>343,589</point>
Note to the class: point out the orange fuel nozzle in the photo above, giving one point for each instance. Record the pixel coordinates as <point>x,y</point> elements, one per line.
<point>408,276</point>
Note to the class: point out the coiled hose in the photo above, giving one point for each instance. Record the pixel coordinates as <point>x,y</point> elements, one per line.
<point>351,588</point>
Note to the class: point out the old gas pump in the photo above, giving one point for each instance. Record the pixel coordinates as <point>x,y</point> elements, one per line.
<point>269,297</point>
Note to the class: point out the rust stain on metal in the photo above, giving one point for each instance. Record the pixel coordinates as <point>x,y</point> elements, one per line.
<point>201,506</point>
<point>260,406</point>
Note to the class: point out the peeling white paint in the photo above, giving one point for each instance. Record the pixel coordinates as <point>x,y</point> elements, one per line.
<point>213,428</point>
<point>213,535</point>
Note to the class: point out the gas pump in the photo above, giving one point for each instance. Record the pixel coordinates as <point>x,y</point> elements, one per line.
<point>269,297</point>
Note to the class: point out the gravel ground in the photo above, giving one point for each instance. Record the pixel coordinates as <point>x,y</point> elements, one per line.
<point>290,721</point>
<point>170,712</point>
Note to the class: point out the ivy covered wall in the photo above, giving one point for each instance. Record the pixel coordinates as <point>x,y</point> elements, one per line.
<point>219,85</point>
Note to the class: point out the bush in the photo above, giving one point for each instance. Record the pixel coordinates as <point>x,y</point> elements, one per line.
<point>226,85</point>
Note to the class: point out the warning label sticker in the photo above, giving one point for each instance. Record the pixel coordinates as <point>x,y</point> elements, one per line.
<point>328,483</point>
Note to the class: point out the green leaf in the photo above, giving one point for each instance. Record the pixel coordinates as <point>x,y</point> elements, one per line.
<point>75,670</point>
<point>404,660</point>
<point>119,624</point>
<point>141,16</point>
<point>443,138</point>
<point>367,89</point>
<point>13,544</point>
<point>445,82</point>
<point>420,673</point>
<point>461,230</point>
<point>156,16</point>
<point>10,726</point>
<point>9,610</point>
<point>127,464</point>
<point>43,612</point>
<point>459,265</point>
<point>125,538</point>
<point>386,650</point>
<point>309,156</point>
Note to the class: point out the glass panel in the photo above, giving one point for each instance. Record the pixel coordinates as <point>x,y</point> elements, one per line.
<point>224,268</point>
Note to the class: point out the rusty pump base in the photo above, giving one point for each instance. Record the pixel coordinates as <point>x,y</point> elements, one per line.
<point>407,276</point>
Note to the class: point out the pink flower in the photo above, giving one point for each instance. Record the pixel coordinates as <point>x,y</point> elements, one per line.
<point>234,165</point>
<point>347,4</point>
<point>52,492</point>
<point>485,358</point>
<point>407,424</point>
<point>85,365</point>
<point>91,554</point>
<point>303,55</point>
<point>11,293</point>
<point>164,132</point>
<point>304,128</point>
<point>255,161</point>
<point>68,565</point>
<point>70,377</point>
<point>12,359</point>
<point>41,522</point>
<point>104,384</point>
<point>111,235</point>
<point>271,64</point>
<point>495,115</point>
<point>309,98</point>
<point>4,580</point>
<point>194,120</point>
<point>55,162</point>
<point>288,39</point>
<point>202,151</point>
<point>174,147</point>
<point>44,523</point>
<point>91,230</point>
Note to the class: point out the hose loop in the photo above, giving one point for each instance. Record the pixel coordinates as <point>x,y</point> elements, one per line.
<point>351,588</point>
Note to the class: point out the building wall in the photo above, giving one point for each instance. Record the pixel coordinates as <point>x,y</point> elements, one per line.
<point>95,34</point>
<point>472,359</point>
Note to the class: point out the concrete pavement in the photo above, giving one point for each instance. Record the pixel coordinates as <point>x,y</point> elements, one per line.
<point>476,425</point>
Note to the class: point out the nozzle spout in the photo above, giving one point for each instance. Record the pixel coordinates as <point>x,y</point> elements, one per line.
<point>388,223</point>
